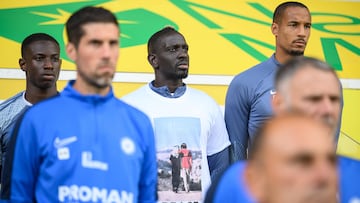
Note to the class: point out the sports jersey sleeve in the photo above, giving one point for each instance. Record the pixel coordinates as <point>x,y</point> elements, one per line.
<point>148,179</point>
<point>237,111</point>
<point>218,138</point>
<point>218,163</point>
<point>24,156</point>
<point>218,141</point>
<point>1,154</point>
<point>4,141</point>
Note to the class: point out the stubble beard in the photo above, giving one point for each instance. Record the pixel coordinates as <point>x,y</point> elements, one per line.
<point>103,81</point>
<point>98,81</point>
<point>331,123</point>
<point>182,74</point>
<point>46,85</point>
<point>295,53</point>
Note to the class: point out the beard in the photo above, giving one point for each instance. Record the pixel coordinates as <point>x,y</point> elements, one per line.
<point>102,82</point>
<point>96,80</point>
<point>296,53</point>
<point>45,84</point>
<point>331,123</point>
<point>182,74</point>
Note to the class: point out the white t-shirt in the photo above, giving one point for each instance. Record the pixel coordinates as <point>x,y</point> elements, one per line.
<point>194,119</point>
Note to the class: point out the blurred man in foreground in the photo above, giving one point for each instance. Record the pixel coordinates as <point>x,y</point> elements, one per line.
<point>292,159</point>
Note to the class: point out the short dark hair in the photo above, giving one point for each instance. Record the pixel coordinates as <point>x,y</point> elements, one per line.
<point>154,39</point>
<point>280,9</point>
<point>288,69</point>
<point>88,14</point>
<point>34,38</point>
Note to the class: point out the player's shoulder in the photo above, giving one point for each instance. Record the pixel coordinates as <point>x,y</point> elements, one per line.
<point>136,95</point>
<point>345,161</point>
<point>131,110</point>
<point>10,101</point>
<point>255,73</point>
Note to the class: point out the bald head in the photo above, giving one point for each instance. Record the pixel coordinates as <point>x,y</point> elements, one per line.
<point>293,160</point>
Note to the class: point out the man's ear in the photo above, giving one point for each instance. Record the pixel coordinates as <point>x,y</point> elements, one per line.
<point>152,58</point>
<point>275,29</point>
<point>278,103</point>
<point>22,64</point>
<point>71,51</point>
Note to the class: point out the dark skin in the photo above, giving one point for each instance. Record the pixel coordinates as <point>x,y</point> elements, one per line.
<point>41,63</point>
<point>292,33</point>
<point>170,61</point>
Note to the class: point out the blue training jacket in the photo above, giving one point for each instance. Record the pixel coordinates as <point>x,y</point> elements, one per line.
<point>76,148</point>
<point>230,187</point>
<point>349,170</point>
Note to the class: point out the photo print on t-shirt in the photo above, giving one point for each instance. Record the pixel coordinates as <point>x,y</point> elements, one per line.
<point>178,158</point>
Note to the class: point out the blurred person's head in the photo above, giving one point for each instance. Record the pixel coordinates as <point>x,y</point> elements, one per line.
<point>93,34</point>
<point>292,160</point>
<point>309,86</point>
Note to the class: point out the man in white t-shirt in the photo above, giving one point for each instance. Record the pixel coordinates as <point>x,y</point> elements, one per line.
<point>181,114</point>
